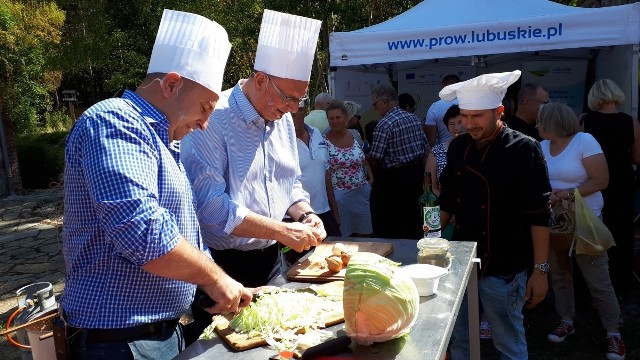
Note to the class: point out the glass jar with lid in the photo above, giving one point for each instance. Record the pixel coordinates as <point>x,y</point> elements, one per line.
<point>434,251</point>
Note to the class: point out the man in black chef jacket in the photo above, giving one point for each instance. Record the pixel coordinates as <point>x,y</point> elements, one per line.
<point>496,184</point>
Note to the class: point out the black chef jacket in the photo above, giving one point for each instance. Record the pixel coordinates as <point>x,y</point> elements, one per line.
<point>497,193</point>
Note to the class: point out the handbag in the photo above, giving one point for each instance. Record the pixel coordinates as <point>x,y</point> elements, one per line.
<point>591,234</point>
<point>562,231</point>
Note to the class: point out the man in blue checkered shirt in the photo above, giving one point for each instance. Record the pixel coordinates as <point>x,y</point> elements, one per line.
<point>132,244</point>
<point>397,157</point>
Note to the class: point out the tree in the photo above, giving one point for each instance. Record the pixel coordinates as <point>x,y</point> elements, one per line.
<point>106,45</point>
<point>28,34</point>
<point>112,53</point>
<point>110,42</point>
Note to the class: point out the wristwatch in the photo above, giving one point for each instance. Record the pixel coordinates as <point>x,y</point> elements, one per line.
<point>304,216</point>
<point>544,267</point>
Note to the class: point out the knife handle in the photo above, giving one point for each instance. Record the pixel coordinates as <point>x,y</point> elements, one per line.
<point>204,301</point>
<point>327,348</point>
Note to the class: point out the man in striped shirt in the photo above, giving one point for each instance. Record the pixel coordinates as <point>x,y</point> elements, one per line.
<point>244,168</point>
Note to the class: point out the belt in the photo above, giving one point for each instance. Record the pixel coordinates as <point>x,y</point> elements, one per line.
<point>125,334</point>
<point>410,163</point>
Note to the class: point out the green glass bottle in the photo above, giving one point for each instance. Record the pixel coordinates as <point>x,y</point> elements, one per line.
<point>430,205</point>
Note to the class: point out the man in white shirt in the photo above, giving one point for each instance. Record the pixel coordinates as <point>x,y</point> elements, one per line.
<point>434,128</point>
<point>244,168</point>
<point>318,116</point>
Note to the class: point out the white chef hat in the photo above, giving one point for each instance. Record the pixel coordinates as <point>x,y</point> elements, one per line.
<point>482,92</point>
<point>193,46</point>
<point>287,45</point>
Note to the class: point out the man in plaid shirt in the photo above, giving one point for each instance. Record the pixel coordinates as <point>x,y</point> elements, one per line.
<point>397,156</point>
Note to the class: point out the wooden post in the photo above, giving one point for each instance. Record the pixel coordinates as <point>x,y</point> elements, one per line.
<point>72,111</point>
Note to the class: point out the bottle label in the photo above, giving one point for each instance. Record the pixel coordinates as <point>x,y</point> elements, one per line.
<point>431,221</point>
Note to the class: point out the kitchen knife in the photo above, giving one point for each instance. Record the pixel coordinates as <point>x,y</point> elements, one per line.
<point>204,301</point>
<point>327,348</point>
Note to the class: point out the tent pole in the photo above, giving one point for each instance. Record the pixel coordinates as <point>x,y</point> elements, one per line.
<point>635,64</point>
<point>331,79</point>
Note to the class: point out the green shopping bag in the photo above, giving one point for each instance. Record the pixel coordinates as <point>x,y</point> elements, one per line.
<point>592,235</point>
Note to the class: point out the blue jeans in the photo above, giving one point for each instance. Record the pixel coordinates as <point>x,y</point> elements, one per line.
<point>161,346</point>
<point>502,300</point>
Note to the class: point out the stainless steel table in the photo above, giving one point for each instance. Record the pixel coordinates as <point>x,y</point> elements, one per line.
<point>428,338</point>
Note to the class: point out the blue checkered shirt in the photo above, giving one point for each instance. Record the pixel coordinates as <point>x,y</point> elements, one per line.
<point>242,164</point>
<point>127,200</point>
<point>398,138</point>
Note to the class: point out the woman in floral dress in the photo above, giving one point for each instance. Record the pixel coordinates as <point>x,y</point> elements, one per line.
<point>438,156</point>
<point>351,176</point>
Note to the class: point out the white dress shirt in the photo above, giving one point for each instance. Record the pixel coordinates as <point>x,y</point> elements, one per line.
<point>241,164</point>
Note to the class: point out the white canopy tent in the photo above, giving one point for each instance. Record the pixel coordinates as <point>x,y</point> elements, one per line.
<point>494,35</point>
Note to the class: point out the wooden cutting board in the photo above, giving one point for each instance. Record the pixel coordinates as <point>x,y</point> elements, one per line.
<point>313,268</point>
<point>241,342</point>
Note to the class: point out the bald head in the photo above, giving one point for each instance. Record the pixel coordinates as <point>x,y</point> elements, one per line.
<point>530,97</point>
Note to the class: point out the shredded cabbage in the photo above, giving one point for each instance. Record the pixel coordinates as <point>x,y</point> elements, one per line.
<point>281,315</point>
<point>380,302</point>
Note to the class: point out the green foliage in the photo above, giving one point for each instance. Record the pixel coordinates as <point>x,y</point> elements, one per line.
<point>111,41</point>
<point>41,158</point>
<point>27,34</point>
<point>57,120</point>
<point>7,20</point>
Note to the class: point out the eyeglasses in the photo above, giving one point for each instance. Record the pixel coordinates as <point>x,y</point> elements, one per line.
<point>287,99</point>
<point>541,102</point>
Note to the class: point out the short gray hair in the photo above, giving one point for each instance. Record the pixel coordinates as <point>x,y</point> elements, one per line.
<point>337,105</point>
<point>558,119</point>
<point>322,99</point>
<point>386,92</point>
<point>604,91</point>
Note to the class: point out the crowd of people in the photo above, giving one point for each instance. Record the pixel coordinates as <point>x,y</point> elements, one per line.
<point>168,201</point>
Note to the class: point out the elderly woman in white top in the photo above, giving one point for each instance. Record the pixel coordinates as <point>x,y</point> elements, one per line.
<point>575,161</point>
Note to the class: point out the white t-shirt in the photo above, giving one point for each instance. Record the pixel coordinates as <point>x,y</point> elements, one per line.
<point>566,169</point>
<point>434,117</point>
<point>313,164</point>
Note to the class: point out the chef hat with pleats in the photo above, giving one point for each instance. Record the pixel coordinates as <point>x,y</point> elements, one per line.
<point>287,45</point>
<point>193,46</point>
<point>482,92</point>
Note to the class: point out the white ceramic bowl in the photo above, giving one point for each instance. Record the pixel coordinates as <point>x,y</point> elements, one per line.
<point>425,276</point>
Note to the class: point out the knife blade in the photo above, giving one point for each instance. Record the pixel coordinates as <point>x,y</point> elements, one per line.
<point>327,348</point>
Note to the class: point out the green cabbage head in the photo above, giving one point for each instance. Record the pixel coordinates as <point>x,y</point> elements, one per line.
<point>380,301</point>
